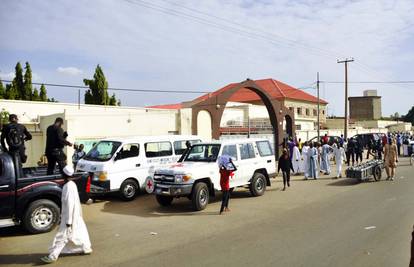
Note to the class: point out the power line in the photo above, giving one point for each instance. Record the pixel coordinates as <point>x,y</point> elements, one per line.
<point>119,89</point>
<point>377,82</point>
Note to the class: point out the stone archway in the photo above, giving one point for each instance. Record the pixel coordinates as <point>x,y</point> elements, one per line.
<point>217,103</point>
<point>204,123</point>
<point>288,126</point>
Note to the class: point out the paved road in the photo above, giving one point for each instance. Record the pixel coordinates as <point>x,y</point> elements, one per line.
<point>313,223</point>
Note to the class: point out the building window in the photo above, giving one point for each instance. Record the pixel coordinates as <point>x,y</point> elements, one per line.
<point>307,112</point>
<point>315,112</point>
<point>298,127</point>
<point>323,112</point>
<point>299,110</point>
<point>291,109</point>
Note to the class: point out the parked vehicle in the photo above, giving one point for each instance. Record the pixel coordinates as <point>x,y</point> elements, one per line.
<point>122,164</point>
<point>332,139</point>
<point>197,176</point>
<point>365,138</point>
<point>30,198</point>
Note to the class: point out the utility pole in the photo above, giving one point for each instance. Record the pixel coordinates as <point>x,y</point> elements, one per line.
<point>346,95</point>
<point>318,120</point>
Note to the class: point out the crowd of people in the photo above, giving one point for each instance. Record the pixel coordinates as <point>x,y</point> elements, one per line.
<point>313,158</point>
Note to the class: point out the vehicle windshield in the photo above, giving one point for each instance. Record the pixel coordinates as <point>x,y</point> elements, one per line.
<point>203,153</point>
<point>103,151</point>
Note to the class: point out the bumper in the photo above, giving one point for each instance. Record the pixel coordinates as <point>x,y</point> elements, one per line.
<point>99,188</point>
<point>173,190</point>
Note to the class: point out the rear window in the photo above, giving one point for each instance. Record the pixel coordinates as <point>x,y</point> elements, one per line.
<point>158,149</point>
<point>246,151</point>
<point>264,148</point>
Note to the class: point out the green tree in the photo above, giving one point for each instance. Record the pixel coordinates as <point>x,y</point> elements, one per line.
<point>35,95</point>
<point>410,116</point>
<point>28,88</point>
<point>98,89</point>
<point>11,91</point>
<point>18,82</point>
<point>2,91</point>
<point>4,118</point>
<point>43,93</point>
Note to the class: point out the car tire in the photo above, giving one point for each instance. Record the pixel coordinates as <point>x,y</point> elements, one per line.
<point>164,200</point>
<point>129,190</point>
<point>200,196</point>
<point>41,216</point>
<point>258,185</point>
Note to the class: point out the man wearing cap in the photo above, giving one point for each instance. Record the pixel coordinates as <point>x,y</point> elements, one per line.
<point>72,236</point>
<point>15,134</point>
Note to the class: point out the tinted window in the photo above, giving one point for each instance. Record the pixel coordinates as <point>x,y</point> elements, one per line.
<point>264,148</point>
<point>231,151</point>
<point>128,151</point>
<point>179,146</point>
<point>1,167</point>
<point>158,149</point>
<point>246,151</point>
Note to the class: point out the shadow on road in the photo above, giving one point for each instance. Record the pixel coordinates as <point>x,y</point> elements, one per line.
<point>12,231</point>
<point>345,182</point>
<point>33,259</point>
<point>147,206</point>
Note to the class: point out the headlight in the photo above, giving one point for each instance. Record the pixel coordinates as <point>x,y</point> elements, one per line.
<point>179,178</point>
<point>100,176</point>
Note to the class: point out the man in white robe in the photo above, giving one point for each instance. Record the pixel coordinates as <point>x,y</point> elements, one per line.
<point>340,156</point>
<point>72,236</point>
<point>312,162</point>
<point>296,158</point>
<point>325,166</point>
<point>305,167</point>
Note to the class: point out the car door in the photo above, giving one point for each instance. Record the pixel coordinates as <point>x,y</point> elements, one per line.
<point>127,163</point>
<point>7,187</point>
<point>267,156</point>
<point>248,162</point>
<point>231,150</point>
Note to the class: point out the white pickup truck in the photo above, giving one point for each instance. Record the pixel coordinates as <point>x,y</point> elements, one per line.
<point>197,176</point>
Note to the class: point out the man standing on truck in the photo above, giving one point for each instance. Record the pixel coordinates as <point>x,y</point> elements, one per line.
<point>15,134</point>
<point>55,142</point>
<point>72,236</point>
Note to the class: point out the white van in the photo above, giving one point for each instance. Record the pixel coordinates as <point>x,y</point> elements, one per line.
<point>123,164</point>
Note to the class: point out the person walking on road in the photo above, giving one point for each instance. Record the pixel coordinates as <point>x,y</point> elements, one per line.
<point>350,151</point>
<point>339,153</point>
<point>296,160</point>
<point>55,142</point>
<point>305,150</point>
<point>227,168</point>
<point>285,164</point>
<point>15,134</point>
<point>325,151</point>
<point>359,150</point>
<point>390,159</point>
<point>312,157</point>
<point>72,236</point>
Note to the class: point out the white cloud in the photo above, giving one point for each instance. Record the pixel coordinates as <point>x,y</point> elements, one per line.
<point>69,71</point>
<point>160,51</point>
<point>7,76</point>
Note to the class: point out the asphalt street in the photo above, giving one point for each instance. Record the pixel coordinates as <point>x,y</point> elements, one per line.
<point>314,223</point>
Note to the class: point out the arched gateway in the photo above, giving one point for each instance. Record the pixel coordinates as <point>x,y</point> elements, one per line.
<point>216,104</point>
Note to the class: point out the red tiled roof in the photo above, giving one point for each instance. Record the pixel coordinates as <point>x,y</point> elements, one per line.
<point>275,88</point>
<point>167,106</point>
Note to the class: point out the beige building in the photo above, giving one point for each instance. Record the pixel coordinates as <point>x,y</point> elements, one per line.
<point>366,107</point>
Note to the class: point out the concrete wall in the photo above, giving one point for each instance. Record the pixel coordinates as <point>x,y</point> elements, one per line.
<point>365,108</point>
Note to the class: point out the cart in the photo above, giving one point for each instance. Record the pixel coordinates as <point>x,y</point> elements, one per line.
<point>366,170</point>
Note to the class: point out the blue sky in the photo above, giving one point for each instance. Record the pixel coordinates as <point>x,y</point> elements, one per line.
<point>170,45</point>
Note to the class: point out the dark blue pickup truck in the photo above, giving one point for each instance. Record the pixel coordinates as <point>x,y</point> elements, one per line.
<point>30,198</point>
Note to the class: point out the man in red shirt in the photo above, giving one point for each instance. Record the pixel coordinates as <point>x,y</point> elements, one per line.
<point>226,172</point>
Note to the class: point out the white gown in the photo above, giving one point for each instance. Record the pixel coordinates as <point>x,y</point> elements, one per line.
<point>305,164</point>
<point>339,153</point>
<point>296,160</point>
<point>73,239</point>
